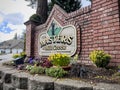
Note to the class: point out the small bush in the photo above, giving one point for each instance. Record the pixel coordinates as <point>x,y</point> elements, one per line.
<point>57,72</point>
<point>59,59</point>
<point>119,67</point>
<point>29,67</point>
<point>74,59</point>
<point>16,56</point>
<point>37,70</point>
<point>35,18</point>
<point>100,58</point>
<point>22,54</point>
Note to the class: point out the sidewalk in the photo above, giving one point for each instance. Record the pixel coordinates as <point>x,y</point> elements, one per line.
<point>6,57</point>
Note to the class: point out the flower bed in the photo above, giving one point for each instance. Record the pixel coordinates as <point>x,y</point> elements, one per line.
<point>52,66</point>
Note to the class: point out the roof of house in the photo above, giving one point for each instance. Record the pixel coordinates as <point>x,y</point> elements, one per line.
<point>12,44</point>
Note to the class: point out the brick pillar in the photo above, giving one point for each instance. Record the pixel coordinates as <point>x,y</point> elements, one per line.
<point>106,27</point>
<point>30,38</point>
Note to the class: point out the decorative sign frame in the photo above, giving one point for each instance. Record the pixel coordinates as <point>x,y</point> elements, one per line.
<point>57,39</point>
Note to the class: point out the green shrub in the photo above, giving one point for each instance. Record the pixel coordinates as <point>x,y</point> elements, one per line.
<point>16,56</point>
<point>37,70</point>
<point>119,67</point>
<point>117,74</point>
<point>35,18</point>
<point>100,58</point>
<point>57,72</point>
<point>74,59</point>
<point>22,54</point>
<point>29,67</point>
<point>59,59</point>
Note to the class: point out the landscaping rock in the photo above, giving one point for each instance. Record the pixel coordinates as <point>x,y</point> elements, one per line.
<point>20,80</point>
<point>1,74</point>
<point>1,85</point>
<point>68,84</point>
<point>105,86</point>
<point>8,87</point>
<point>20,89</point>
<point>7,75</point>
<point>41,83</point>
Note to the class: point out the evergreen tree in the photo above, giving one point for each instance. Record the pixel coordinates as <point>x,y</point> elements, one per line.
<point>42,8</point>
<point>67,5</point>
<point>32,3</point>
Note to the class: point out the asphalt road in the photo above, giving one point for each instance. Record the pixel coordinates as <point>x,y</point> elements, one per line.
<point>6,57</point>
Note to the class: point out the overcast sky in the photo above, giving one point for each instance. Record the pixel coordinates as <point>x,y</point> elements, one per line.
<point>13,13</point>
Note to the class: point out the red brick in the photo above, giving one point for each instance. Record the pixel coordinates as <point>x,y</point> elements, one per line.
<point>109,48</point>
<point>101,31</point>
<point>117,48</point>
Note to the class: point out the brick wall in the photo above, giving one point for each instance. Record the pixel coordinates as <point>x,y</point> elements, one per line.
<point>98,27</point>
<point>29,38</point>
<point>106,27</point>
<point>83,18</point>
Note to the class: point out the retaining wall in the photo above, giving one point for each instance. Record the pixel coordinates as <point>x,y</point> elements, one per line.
<point>12,79</point>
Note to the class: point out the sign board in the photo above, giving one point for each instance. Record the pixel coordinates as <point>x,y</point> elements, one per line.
<point>57,39</point>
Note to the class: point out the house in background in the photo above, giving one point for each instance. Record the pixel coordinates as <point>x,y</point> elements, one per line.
<point>12,46</point>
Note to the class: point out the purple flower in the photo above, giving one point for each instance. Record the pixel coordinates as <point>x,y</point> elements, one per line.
<point>30,61</point>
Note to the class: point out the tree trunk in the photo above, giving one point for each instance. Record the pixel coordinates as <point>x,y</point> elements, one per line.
<point>42,9</point>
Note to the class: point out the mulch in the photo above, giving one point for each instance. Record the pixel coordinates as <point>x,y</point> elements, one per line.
<point>97,75</point>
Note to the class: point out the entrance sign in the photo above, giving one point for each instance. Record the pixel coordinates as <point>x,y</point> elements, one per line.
<point>57,39</point>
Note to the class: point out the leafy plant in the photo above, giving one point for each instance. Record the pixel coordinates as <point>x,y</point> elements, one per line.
<point>35,18</point>
<point>119,67</point>
<point>59,59</point>
<point>67,5</point>
<point>74,59</point>
<point>37,70</point>
<point>29,67</point>
<point>22,54</point>
<point>16,56</point>
<point>57,72</point>
<point>46,63</point>
<point>100,58</point>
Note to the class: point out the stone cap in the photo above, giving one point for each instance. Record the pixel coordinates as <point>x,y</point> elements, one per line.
<point>42,78</point>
